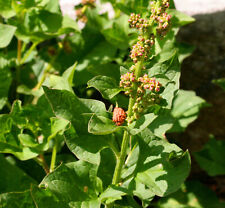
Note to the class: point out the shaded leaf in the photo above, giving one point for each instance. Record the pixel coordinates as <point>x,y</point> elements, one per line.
<point>105,85</point>
<point>185,108</point>
<point>74,182</point>
<point>211,157</point>
<point>192,194</point>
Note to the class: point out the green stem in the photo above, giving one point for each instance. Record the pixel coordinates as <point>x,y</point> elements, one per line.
<point>19,47</point>
<point>29,52</point>
<point>45,73</point>
<point>121,159</point>
<point>41,161</point>
<point>53,160</point>
<point>125,142</point>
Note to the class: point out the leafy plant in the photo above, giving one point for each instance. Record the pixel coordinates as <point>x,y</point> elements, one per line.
<point>119,158</point>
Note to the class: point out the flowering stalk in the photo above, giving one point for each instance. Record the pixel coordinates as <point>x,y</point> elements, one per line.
<point>142,90</point>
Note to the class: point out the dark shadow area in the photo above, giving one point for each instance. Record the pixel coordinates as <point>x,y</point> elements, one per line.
<point>198,71</point>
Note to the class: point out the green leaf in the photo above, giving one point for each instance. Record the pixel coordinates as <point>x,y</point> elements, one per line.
<point>74,182</point>
<point>99,55</point>
<point>5,82</point>
<point>7,33</point>
<point>64,82</point>
<point>86,204</point>
<point>112,194</point>
<point>67,105</point>
<point>16,200</point>
<point>220,82</point>
<point>107,166</point>
<point>156,163</point>
<point>168,74</point>
<point>86,147</point>
<point>192,194</point>
<point>117,33</point>
<point>185,108</point>
<point>163,122</point>
<point>15,179</point>
<point>27,140</point>
<point>24,146</point>
<point>33,197</point>
<point>179,18</point>
<point>9,142</point>
<point>211,157</point>
<point>144,193</point>
<point>105,85</point>
<point>58,125</point>
<point>100,125</point>
<point>142,123</point>
<point>68,25</point>
<point>6,9</point>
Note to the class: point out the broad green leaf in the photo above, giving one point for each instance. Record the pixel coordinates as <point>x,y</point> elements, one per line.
<point>74,182</point>
<point>27,140</point>
<point>168,74</point>
<point>24,146</point>
<point>99,55</point>
<point>58,125</point>
<point>162,123</point>
<point>100,125</point>
<point>9,142</point>
<point>86,204</point>
<point>13,178</point>
<point>211,157</point>
<point>67,105</point>
<point>112,194</point>
<point>179,18</point>
<point>185,108</point>
<point>6,9</point>
<point>156,163</point>
<point>133,6</point>
<point>142,123</point>
<point>16,200</point>
<point>32,198</point>
<point>86,147</point>
<point>69,74</point>
<point>192,194</point>
<point>68,25</point>
<point>117,34</point>
<point>144,193</point>
<point>105,85</point>
<point>7,33</point>
<point>107,166</point>
<point>220,82</point>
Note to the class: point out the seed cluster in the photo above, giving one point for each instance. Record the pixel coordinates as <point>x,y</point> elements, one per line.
<point>142,48</point>
<point>160,17</point>
<point>144,90</point>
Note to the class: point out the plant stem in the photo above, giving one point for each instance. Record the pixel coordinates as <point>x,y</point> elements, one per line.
<point>125,142</point>
<point>19,47</point>
<point>53,160</point>
<point>121,159</point>
<point>41,161</point>
<point>39,84</point>
<point>29,52</point>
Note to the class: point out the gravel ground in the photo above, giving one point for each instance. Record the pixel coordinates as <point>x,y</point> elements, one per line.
<point>191,7</point>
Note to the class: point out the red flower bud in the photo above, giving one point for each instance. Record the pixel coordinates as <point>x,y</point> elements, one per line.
<point>119,116</point>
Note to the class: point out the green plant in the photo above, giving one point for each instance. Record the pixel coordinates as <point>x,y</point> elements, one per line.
<point>121,159</point>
